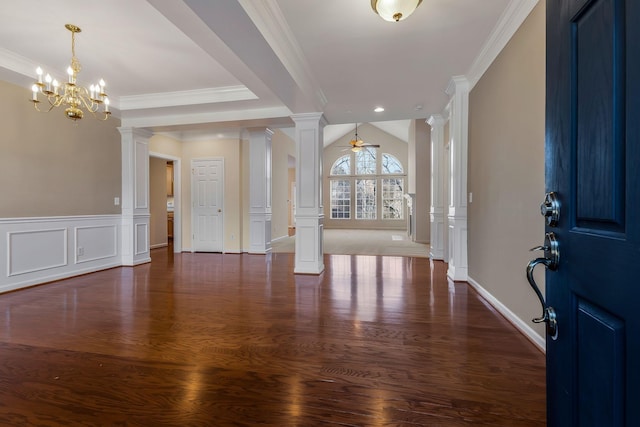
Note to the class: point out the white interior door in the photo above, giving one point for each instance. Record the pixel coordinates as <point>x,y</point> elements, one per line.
<point>207,183</point>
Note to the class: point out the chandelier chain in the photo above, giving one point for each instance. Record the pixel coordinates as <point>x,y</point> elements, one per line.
<point>75,63</point>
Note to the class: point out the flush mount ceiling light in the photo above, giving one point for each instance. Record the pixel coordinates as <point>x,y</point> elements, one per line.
<point>70,94</point>
<point>378,109</point>
<point>394,10</point>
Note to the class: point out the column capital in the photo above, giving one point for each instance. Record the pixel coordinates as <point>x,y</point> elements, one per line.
<point>261,130</point>
<point>458,85</point>
<point>436,120</point>
<point>309,118</point>
<point>137,132</point>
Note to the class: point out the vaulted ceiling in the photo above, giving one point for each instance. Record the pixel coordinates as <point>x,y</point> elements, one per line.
<point>203,67</point>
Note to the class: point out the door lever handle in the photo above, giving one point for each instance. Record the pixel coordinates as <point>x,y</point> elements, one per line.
<point>550,261</point>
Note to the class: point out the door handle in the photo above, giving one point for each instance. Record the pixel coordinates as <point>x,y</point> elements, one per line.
<point>550,260</point>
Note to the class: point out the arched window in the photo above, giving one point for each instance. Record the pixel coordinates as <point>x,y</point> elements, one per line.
<point>366,171</point>
<point>342,166</point>
<point>390,165</point>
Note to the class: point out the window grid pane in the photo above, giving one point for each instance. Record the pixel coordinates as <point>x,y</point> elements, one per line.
<point>340,199</point>
<point>392,198</point>
<point>365,199</point>
<point>366,162</point>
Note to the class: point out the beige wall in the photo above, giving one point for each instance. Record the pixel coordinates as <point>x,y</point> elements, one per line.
<point>506,168</point>
<point>163,144</point>
<point>422,171</point>
<point>158,201</point>
<point>281,148</point>
<point>52,166</point>
<point>388,144</point>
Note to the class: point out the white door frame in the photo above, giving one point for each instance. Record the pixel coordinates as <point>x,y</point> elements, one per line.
<point>177,198</point>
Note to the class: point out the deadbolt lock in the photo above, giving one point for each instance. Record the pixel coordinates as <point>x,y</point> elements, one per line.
<point>550,209</point>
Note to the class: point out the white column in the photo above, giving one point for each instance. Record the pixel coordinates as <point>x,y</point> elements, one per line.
<point>260,191</point>
<point>135,196</point>
<point>458,90</point>
<point>309,206</point>
<point>436,212</point>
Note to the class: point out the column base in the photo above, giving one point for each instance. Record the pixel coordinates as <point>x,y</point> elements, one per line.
<point>458,264</point>
<point>259,233</point>
<point>436,249</point>
<point>135,239</point>
<point>309,256</point>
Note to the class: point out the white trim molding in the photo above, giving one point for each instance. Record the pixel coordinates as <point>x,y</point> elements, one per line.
<point>516,321</point>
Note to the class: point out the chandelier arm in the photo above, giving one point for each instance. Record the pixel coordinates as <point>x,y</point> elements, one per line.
<point>93,107</point>
<point>86,100</point>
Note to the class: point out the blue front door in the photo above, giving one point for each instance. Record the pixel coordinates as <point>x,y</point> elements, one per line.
<point>593,164</point>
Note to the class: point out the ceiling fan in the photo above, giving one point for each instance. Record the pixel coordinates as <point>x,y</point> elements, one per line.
<point>356,144</point>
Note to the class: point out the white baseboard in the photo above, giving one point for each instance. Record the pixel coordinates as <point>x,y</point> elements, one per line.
<point>279,238</point>
<point>521,325</point>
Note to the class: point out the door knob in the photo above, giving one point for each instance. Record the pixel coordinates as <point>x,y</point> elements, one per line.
<point>550,209</point>
<point>550,260</point>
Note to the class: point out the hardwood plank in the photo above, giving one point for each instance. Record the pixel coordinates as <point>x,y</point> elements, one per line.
<point>212,339</point>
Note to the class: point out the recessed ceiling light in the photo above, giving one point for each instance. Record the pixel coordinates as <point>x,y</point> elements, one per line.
<point>379,109</point>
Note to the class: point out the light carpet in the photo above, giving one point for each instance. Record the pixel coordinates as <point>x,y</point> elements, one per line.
<point>362,242</point>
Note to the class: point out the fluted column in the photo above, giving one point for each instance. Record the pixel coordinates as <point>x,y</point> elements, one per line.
<point>135,196</point>
<point>436,213</point>
<point>458,90</point>
<point>260,179</point>
<point>309,207</point>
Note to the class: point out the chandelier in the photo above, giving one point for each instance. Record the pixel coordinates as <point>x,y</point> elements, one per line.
<point>395,10</point>
<point>70,94</point>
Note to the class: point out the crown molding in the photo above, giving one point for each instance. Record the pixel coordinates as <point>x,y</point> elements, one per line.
<point>268,18</point>
<point>17,63</point>
<point>187,97</point>
<point>509,22</point>
<point>267,113</point>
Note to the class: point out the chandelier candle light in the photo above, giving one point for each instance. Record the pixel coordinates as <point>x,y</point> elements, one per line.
<point>72,95</point>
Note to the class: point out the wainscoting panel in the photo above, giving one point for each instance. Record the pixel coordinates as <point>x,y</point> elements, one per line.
<point>36,250</point>
<point>96,242</point>
<point>142,238</point>
<point>40,250</point>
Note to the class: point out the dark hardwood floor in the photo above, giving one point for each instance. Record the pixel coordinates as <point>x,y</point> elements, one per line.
<point>216,340</point>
